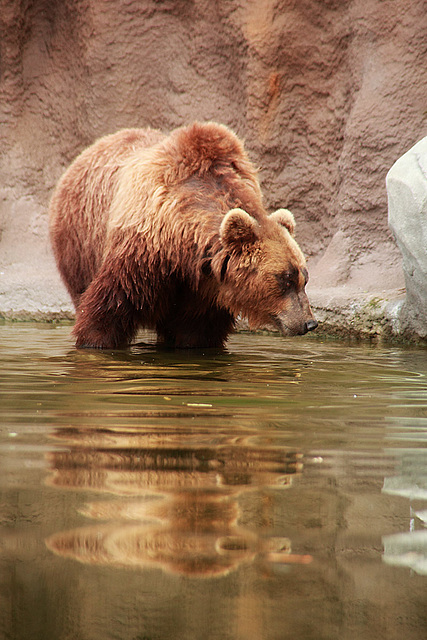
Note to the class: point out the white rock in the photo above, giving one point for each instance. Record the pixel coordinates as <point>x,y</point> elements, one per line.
<point>407,217</point>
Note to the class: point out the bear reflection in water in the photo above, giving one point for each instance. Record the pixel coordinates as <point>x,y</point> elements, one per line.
<point>179,506</point>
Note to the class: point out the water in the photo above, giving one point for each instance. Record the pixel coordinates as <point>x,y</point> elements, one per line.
<point>276,491</point>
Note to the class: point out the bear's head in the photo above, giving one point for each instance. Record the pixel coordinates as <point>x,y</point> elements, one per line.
<point>261,271</point>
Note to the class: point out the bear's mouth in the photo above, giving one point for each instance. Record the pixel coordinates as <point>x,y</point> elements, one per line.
<point>281,325</point>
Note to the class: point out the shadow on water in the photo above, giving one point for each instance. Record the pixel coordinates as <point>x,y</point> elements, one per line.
<point>282,483</point>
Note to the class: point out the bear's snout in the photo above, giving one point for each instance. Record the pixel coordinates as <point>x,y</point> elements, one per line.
<point>311,325</point>
<point>297,318</point>
<point>289,328</point>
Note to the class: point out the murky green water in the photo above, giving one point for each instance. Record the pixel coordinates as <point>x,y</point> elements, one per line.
<point>276,491</point>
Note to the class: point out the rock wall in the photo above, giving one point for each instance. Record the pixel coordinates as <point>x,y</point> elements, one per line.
<point>326,94</point>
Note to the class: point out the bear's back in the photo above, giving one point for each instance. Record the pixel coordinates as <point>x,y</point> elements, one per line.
<point>80,205</point>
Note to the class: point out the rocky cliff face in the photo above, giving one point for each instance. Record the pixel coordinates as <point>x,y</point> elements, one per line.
<point>326,94</point>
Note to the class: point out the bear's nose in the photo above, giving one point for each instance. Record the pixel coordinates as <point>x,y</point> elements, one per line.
<point>311,325</point>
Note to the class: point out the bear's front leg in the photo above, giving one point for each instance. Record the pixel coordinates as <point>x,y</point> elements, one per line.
<point>189,328</point>
<point>106,317</point>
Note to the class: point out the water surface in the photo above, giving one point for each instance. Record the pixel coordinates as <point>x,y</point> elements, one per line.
<point>274,491</point>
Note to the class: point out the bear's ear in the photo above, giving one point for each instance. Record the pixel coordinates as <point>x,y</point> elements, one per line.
<point>238,229</point>
<point>285,218</point>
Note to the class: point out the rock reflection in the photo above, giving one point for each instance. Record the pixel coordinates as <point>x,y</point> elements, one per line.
<point>180,505</point>
<point>409,549</point>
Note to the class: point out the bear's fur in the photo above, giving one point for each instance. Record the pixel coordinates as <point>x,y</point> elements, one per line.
<point>170,233</point>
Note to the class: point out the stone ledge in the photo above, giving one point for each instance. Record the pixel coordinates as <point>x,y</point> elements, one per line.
<point>373,316</point>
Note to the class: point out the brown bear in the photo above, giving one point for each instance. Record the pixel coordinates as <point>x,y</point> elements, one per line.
<point>170,233</point>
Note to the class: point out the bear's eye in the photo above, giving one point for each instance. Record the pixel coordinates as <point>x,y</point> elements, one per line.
<point>287,280</point>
